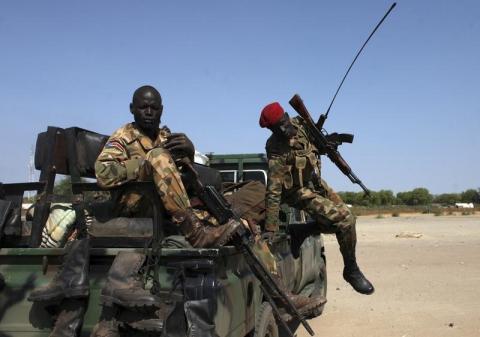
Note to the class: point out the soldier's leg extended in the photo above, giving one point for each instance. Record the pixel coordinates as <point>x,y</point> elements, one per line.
<point>175,200</point>
<point>333,216</point>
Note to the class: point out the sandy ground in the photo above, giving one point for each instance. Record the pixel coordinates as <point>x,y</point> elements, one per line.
<point>425,287</point>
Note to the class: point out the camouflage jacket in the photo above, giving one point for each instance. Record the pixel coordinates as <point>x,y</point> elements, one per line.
<point>291,165</point>
<point>124,153</point>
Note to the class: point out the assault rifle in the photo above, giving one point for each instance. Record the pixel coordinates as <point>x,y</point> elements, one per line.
<point>322,142</point>
<point>220,208</point>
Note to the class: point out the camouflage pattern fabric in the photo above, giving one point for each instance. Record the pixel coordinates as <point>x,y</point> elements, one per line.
<point>294,179</point>
<point>130,155</point>
<point>264,254</point>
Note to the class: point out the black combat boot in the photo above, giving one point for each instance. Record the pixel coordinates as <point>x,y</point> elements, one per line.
<point>353,275</point>
<point>200,235</point>
<point>71,281</point>
<point>304,304</point>
<point>124,286</point>
<point>351,271</point>
<point>70,319</point>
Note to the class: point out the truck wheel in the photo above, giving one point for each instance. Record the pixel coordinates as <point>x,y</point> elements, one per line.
<point>265,325</point>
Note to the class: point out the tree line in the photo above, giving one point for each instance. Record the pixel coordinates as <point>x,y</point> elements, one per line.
<point>416,197</point>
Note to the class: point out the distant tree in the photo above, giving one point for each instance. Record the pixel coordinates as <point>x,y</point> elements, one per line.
<point>373,199</point>
<point>470,195</point>
<point>354,198</point>
<point>385,197</point>
<point>418,196</point>
<point>447,198</point>
<point>403,198</point>
<point>421,196</point>
<point>347,197</point>
<point>63,187</point>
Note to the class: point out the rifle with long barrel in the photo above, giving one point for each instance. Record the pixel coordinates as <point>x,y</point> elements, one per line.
<point>322,143</point>
<point>219,207</point>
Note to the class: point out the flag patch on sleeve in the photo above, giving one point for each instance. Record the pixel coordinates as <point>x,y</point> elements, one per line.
<point>114,144</point>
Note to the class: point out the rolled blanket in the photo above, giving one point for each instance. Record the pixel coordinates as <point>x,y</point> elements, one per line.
<point>58,226</point>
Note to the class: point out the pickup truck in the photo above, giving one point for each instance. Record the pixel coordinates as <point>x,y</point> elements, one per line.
<point>231,301</point>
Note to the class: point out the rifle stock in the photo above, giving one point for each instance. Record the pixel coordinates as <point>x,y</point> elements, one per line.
<point>322,143</point>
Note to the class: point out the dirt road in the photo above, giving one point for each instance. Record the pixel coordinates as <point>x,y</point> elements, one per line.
<point>425,287</point>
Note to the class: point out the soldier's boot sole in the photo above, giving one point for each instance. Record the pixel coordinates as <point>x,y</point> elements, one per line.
<point>150,325</point>
<point>310,311</point>
<point>137,303</point>
<point>307,311</point>
<point>59,294</point>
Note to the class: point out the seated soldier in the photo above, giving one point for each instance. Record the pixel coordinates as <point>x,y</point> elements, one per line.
<point>137,151</point>
<point>141,151</point>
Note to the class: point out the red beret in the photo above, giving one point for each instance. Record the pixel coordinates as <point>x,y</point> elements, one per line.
<point>271,114</point>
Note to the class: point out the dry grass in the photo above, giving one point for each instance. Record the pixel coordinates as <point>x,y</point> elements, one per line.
<point>396,211</point>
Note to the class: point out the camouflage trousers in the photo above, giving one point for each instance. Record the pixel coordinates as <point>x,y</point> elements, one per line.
<point>167,180</point>
<point>329,211</point>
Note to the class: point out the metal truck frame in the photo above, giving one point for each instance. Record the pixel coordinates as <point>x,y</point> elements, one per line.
<point>214,284</point>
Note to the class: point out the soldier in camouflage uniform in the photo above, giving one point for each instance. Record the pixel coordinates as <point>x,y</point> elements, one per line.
<point>294,179</point>
<point>141,151</point>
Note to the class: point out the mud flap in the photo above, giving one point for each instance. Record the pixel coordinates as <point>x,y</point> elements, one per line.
<point>310,259</point>
<point>200,318</point>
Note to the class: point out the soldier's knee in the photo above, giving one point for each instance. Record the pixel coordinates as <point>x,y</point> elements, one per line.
<point>156,152</point>
<point>348,221</point>
<point>159,157</point>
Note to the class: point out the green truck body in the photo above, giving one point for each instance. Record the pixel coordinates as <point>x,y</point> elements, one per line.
<point>225,282</point>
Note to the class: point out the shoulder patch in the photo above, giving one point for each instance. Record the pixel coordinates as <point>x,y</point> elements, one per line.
<point>115,144</point>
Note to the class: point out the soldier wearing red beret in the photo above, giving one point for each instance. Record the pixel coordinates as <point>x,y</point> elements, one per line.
<point>294,179</point>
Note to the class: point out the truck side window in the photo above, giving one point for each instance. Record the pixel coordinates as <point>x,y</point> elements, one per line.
<point>229,176</point>
<point>258,175</point>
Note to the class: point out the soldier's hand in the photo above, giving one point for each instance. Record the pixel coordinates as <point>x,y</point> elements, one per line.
<point>180,145</point>
<point>268,236</point>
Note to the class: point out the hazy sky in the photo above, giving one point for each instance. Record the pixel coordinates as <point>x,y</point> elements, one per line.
<point>412,99</point>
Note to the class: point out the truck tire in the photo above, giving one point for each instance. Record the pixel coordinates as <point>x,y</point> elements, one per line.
<point>265,324</point>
